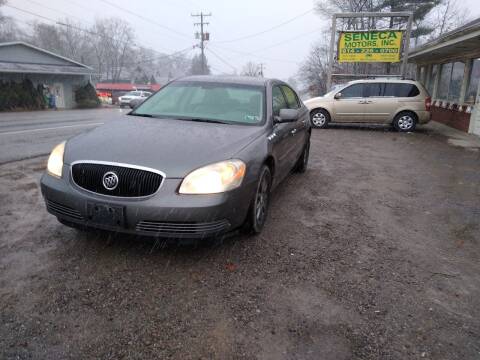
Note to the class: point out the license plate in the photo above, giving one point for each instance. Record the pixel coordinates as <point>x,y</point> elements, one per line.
<point>104,214</point>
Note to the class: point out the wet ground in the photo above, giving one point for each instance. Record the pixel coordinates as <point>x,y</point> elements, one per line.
<point>373,253</point>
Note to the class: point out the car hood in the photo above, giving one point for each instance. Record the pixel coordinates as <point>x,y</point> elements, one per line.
<point>175,147</point>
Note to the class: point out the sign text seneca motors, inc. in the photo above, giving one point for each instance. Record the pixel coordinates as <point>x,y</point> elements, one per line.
<point>371,46</point>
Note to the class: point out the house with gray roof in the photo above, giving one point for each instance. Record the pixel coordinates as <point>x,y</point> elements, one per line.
<point>59,75</point>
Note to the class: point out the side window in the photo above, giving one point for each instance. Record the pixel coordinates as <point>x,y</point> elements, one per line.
<point>373,89</point>
<point>354,91</point>
<point>401,90</point>
<point>292,99</point>
<point>279,101</point>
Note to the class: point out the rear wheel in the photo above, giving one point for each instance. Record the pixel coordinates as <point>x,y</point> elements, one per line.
<point>319,118</point>
<point>405,121</point>
<point>258,212</point>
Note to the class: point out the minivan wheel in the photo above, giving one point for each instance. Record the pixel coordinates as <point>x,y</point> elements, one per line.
<point>405,121</point>
<point>319,118</point>
<point>258,212</point>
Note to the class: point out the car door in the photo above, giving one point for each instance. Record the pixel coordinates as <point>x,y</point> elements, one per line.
<point>379,104</point>
<point>349,104</point>
<point>284,143</point>
<point>299,132</point>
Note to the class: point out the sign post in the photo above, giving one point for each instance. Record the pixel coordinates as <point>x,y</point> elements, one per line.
<point>374,45</point>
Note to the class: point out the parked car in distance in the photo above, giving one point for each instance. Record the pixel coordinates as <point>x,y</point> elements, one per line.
<point>135,102</point>
<point>197,159</point>
<point>401,103</point>
<point>124,100</point>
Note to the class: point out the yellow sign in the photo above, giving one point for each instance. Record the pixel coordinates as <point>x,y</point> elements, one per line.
<point>370,46</point>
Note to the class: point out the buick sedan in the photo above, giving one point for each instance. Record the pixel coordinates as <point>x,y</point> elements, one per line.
<point>198,159</point>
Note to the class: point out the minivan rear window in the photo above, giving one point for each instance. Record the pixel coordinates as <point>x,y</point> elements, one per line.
<point>400,90</point>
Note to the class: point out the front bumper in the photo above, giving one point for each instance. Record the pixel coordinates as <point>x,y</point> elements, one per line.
<point>163,214</point>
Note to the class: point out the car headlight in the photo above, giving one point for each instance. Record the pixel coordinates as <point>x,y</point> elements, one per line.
<point>55,160</point>
<point>215,178</point>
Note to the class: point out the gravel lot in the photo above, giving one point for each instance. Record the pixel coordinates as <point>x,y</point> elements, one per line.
<point>372,254</point>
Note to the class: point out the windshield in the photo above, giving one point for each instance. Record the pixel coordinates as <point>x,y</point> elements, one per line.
<point>229,103</point>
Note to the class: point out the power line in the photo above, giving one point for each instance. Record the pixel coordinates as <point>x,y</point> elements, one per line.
<point>78,28</point>
<point>146,19</point>
<point>221,59</point>
<point>287,40</point>
<point>267,30</point>
<point>55,10</point>
<point>254,55</point>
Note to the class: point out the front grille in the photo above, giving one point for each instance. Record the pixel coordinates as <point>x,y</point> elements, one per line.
<point>132,182</point>
<point>59,209</point>
<point>189,228</point>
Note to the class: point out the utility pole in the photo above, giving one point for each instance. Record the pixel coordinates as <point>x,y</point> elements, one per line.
<point>203,36</point>
<point>261,65</point>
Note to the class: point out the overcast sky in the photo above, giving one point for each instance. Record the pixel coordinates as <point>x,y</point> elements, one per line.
<point>281,49</point>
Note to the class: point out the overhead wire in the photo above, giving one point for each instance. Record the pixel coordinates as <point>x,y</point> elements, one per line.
<point>266,30</point>
<point>146,19</point>
<point>220,58</point>
<point>81,29</point>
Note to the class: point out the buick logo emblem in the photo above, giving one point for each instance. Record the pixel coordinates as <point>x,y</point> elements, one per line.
<point>110,180</point>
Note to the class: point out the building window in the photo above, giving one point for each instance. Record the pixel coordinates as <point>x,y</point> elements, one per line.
<point>432,78</point>
<point>422,75</point>
<point>450,84</point>
<point>458,72</point>
<point>445,76</point>
<point>474,77</point>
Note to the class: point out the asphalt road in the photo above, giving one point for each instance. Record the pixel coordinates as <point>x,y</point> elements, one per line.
<point>371,254</point>
<point>29,134</point>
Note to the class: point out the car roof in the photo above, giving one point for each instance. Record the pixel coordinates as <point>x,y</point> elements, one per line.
<point>241,80</point>
<point>380,79</point>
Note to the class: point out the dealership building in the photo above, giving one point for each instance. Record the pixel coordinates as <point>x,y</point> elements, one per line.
<point>449,67</point>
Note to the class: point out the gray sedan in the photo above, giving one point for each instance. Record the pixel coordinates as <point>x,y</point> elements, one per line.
<point>197,159</point>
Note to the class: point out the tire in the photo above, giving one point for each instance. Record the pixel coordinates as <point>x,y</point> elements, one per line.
<point>257,215</point>
<point>302,162</point>
<point>405,121</point>
<point>319,118</point>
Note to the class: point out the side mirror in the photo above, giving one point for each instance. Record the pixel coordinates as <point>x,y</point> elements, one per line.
<point>338,96</point>
<point>287,115</point>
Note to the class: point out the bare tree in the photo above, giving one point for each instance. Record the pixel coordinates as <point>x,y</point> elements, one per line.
<point>251,69</point>
<point>446,17</point>
<point>9,30</point>
<point>313,72</point>
<point>113,43</point>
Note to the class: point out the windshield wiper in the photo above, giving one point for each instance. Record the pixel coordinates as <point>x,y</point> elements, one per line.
<point>205,120</point>
<point>144,115</point>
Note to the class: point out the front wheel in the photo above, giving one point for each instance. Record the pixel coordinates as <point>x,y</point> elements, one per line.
<point>258,212</point>
<point>404,122</point>
<point>319,118</point>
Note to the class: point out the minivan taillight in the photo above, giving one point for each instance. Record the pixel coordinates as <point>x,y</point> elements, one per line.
<point>428,103</point>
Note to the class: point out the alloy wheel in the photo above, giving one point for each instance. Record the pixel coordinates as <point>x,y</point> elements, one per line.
<point>405,122</point>
<point>261,201</point>
<point>319,119</point>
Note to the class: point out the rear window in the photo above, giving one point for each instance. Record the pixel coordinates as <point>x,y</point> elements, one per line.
<point>400,90</point>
